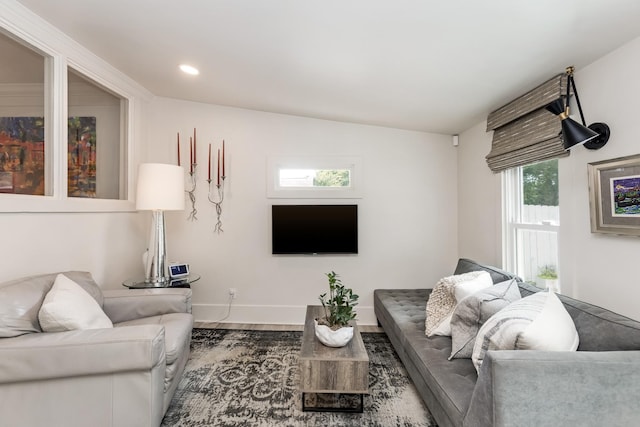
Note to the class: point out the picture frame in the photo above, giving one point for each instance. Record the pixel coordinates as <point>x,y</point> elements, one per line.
<point>614,196</point>
<point>22,162</point>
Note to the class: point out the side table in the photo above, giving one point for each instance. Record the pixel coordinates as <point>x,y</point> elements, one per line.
<point>183,282</point>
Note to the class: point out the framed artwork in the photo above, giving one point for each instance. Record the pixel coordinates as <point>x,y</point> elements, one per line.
<point>81,157</point>
<point>22,155</point>
<point>614,196</point>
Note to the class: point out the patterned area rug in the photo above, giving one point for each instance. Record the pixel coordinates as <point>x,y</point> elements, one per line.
<point>250,378</point>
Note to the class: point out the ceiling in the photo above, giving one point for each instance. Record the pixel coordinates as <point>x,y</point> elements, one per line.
<point>435,66</point>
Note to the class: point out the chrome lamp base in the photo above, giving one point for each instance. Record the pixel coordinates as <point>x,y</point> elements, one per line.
<point>155,271</point>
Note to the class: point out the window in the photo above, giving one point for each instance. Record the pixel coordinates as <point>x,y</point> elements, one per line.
<point>95,140</point>
<point>532,222</point>
<point>305,178</point>
<point>23,155</point>
<point>314,177</point>
<point>67,120</point>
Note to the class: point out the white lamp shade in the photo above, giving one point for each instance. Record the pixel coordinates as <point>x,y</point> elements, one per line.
<point>160,187</point>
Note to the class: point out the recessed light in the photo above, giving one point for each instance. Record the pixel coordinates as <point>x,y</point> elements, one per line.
<point>189,69</point>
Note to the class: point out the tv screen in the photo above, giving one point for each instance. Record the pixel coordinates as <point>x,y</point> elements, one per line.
<point>314,229</point>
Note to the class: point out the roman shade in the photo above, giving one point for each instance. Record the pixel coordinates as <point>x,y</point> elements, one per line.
<point>524,131</point>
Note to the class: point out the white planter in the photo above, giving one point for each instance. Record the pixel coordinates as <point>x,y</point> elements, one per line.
<point>331,338</point>
<point>552,285</point>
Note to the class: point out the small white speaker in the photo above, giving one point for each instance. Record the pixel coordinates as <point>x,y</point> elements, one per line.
<point>455,140</point>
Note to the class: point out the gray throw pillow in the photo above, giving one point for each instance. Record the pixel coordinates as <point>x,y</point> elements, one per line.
<point>471,313</point>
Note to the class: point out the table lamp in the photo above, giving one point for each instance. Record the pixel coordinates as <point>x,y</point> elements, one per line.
<point>160,188</point>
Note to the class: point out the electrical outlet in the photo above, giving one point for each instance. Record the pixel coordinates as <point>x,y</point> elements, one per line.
<point>233,292</point>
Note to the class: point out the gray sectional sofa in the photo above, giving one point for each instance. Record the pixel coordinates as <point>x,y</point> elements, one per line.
<point>598,385</point>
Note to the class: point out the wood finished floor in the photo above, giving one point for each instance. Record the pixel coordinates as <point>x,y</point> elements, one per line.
<point>269,327</point>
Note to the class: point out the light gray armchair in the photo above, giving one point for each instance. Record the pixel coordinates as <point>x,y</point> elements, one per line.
<point>120,376</point>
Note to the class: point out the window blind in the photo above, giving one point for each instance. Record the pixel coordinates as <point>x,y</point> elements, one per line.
<point>524,132</point>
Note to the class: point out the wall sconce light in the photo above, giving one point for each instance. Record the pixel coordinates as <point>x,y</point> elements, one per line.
<point>594,136</point>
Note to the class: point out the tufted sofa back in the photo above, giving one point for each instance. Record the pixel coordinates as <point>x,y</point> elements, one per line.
<point>466,265</point>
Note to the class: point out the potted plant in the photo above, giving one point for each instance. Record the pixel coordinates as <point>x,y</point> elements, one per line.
<point>548,278</point>
<point>333,329</point>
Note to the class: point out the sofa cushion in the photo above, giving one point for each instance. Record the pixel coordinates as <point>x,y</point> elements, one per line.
<point>177,331</point>
<point>67,307</point>
<point>20,300</point>
<point>449,383</point>
<point>466,265</point>
<point>536,322</point>
<point>177,339</point>
<point>86,282</point>
<point>472,312</point>
<point>446,294</point>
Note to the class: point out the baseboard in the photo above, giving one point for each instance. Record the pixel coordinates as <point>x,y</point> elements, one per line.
<point>265,314</point>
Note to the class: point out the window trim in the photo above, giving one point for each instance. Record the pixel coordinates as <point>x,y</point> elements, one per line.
<point>512,223</point>
<point>351,163</point>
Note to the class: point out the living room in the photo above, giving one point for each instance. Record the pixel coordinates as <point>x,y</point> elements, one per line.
<point>423,202</point>
<point>411,228</point>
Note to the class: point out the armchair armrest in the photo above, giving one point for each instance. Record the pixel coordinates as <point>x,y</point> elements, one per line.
<point>40,356</point>
<point>123,305</point>
<point>541,388</point>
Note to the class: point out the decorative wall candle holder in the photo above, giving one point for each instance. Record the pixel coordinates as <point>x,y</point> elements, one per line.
<point>217,202</point>
<point>217,199</point>
<point>215,193</point>
<point>192,193</point>
<point>193,166</point>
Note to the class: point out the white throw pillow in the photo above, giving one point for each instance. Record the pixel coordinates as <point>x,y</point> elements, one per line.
<point>68,307</point>
<point>469,287</point>
<point>445,296</point>
<point>536,322</point>
<point>552,330</point>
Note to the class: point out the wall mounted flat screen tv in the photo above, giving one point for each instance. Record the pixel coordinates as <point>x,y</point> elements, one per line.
<point>314,229</point>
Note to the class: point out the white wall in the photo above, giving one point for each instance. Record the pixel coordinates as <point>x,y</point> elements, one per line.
<point>596,263</point>
<point>593,267</point>
<point>408,211</point>
<point>104,244</point>
<point>479,199</point>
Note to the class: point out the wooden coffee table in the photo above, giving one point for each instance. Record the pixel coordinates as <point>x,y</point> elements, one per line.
<point>323,369</point>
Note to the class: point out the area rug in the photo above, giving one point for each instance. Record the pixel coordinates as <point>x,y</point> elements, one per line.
<point>250,378</point>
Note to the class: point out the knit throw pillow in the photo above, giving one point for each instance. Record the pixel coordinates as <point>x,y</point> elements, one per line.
<point>445,296</point>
